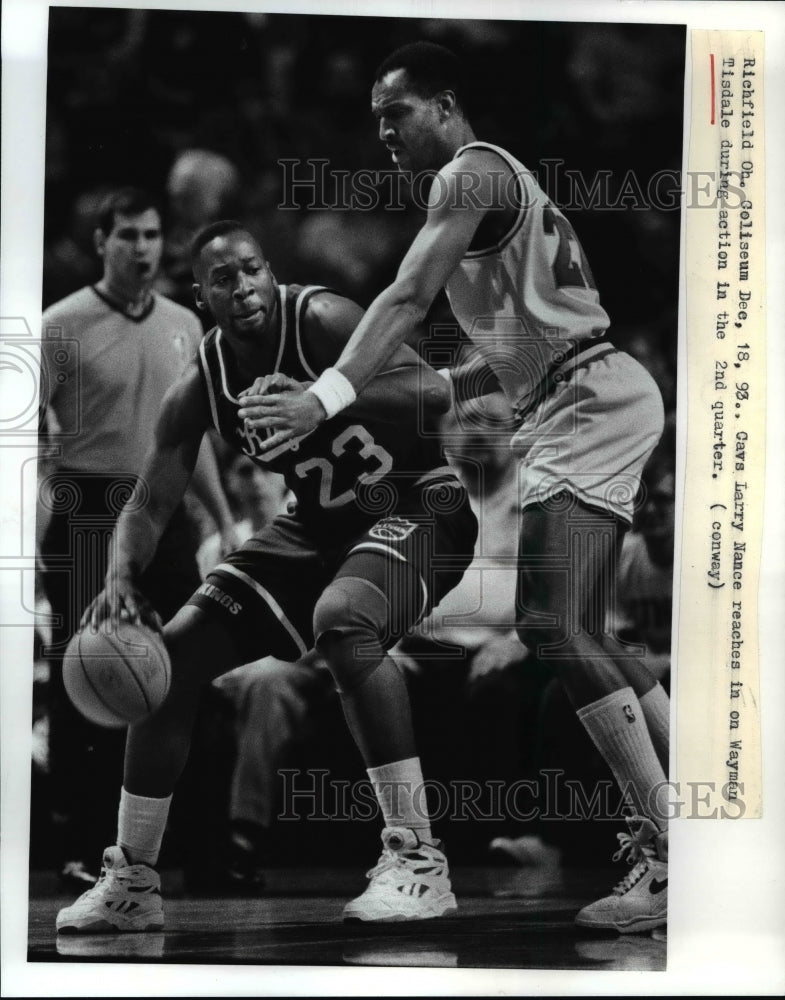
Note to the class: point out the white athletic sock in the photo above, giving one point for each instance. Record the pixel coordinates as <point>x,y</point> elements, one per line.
<point>140,826</point>
<point>401,795</point>
<point>656,707</point>
<point>617,726</point>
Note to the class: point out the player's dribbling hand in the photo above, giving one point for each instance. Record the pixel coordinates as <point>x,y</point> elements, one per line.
<point>283,407</point>
<point>120,601</point>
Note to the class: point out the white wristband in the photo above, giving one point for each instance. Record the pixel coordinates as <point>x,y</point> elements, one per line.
<point>334,391</point>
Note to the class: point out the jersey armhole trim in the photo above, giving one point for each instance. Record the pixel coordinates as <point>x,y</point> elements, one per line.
<point>284,317</point>
<point>209,384</point>
<point>222,367</point>
<point>519,191</point>
<point>302,301</point>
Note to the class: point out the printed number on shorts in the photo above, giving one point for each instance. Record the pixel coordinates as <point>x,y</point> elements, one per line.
<point>377,461</point>
<point>570,267</point>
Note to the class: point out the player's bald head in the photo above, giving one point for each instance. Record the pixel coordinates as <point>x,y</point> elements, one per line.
<point>222,228</point>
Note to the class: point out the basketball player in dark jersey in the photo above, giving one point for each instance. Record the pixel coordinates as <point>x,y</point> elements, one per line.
<point>382,531</point>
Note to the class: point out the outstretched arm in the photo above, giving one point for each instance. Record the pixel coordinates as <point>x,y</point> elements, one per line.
<point>435,253</point>
<point>406,385</point>
<point>404,382</point>
<point>162,483</point>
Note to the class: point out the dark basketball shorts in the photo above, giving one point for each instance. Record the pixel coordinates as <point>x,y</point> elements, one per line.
<point>266,591</point>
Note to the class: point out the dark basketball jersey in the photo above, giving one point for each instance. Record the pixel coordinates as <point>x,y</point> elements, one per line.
<point>346,474</point>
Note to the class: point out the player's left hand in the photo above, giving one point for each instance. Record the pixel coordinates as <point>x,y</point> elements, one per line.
<point>266,385</point>
<point>281,405</point>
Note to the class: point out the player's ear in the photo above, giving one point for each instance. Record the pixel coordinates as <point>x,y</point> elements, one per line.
<point>447,103</point>
<point>99,240</point>
<point>197,290</point>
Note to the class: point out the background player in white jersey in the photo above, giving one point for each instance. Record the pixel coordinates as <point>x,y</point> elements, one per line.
<point>589,416</point>
<point>110,351</point>
<point>383,529</point>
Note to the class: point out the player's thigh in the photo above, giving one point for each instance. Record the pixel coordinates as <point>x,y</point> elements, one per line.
<point>265,592</point>
<point>201,647</point>
<point>566,562</point>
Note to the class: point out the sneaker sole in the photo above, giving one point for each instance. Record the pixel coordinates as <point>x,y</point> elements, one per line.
<point>443,906</point>
<point>636,925</point>
<point>102,926</point>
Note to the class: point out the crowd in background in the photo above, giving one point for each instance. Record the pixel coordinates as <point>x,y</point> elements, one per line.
<point>205,110</point>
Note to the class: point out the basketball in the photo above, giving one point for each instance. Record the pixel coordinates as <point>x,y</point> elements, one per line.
<point>117,677</point>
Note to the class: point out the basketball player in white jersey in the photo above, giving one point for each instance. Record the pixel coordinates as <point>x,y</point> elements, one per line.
<point>588,418</point>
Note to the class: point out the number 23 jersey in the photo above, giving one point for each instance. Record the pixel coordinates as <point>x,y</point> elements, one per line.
<point>349,472</point>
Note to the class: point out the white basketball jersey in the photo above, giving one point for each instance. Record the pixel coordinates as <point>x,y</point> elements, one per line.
<point>531,297</point>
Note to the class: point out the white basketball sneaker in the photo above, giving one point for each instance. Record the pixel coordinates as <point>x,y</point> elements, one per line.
<point>126,898</point>
<point>411,881</point>
<point>640,901</point>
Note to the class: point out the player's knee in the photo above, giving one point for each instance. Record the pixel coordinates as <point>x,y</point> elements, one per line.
<point>540,638</point>
<point>529,634</point>
<point>332,612</point>
<point>349,623</point>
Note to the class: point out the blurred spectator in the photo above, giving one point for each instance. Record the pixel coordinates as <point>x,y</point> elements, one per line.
<point>69,260</point>
<point>255,497</point>
<point>273,704</point>
<point>201,188</point>
<point>352,251</point>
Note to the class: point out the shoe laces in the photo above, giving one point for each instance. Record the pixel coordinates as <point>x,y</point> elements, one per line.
<point>636,848</point>
<point>411,860</point>
<point>106,882</point>
<point>388,860</point>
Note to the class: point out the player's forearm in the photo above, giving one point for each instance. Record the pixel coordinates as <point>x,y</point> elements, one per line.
<point>379,334</point>
<point>160,489</point>
<point>134,543</point>
<point>384,327</point>
<point>394,394</point>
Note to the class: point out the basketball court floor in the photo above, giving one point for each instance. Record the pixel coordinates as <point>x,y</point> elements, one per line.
<point>508,918</point>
